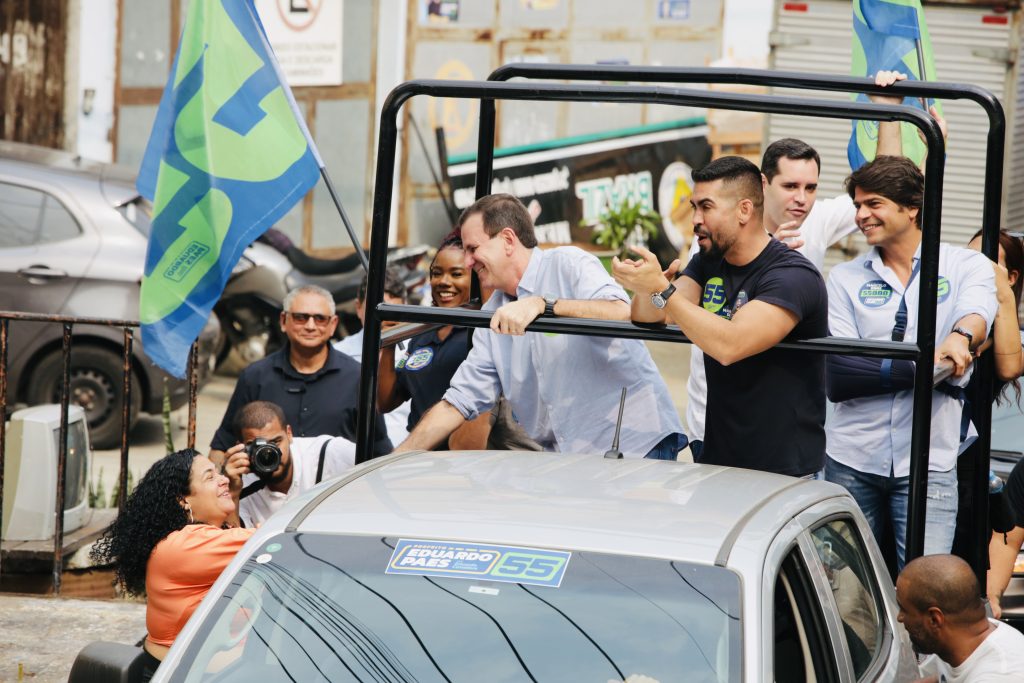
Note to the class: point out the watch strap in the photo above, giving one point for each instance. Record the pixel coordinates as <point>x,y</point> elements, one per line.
<point>549,305</point>
<point>966,333</point>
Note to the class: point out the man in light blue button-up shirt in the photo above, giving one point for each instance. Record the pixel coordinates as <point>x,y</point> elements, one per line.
<point>876,297</point>
<point>564,389</point>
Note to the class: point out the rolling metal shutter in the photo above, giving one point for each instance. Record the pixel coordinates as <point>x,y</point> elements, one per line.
<point>815,36</point>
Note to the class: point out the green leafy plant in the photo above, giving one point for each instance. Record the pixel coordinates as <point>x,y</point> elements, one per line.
<point>624,224</point>
<point>166,414</point>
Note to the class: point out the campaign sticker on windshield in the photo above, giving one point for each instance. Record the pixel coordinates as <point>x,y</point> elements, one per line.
<point>512,564</point>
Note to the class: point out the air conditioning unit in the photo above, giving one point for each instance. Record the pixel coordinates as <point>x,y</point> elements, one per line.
<point>30,473</point>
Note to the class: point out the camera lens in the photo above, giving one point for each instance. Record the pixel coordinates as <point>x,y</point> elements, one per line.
<point>264,457</point>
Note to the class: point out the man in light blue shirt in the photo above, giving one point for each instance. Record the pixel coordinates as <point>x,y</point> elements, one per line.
<point>564,389</point>
<point>876,297</point>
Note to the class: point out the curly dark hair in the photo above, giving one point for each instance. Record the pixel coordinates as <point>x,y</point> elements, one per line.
<point>151,513</point>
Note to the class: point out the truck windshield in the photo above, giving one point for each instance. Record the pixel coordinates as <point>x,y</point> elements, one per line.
<point>315,607</point>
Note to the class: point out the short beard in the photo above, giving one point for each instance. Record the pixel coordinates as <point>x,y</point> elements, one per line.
<point>714,251</point>
<point>271,480</point>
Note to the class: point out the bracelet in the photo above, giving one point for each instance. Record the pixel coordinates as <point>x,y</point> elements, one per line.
<point>1006,353</point>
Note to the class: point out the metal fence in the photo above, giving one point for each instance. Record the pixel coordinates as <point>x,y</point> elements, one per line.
<point>68,323</point>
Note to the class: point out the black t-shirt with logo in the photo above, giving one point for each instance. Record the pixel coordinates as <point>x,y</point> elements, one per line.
<point>766,412</point>
<point>427,369</point>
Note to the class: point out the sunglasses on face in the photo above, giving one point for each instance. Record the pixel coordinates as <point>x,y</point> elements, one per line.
<point>303,318</point>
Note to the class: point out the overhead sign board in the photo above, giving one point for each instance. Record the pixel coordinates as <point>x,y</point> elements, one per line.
<point>306,37</point>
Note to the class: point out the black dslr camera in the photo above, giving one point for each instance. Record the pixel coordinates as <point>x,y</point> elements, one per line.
<point>264,457</point>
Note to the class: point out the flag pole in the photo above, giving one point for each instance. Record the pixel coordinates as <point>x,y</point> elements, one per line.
<point>920,68</point>
<point>309,140</point>
<point>344,218</point>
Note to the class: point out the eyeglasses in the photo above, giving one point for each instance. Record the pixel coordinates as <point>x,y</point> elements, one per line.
<point>303,318</point>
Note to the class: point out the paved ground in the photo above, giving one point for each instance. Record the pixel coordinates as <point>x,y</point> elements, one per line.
<point>41,636</point>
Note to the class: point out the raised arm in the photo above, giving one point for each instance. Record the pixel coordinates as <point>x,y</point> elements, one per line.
<point>389,392</point>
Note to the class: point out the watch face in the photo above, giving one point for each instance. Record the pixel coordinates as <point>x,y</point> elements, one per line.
<point>657,300</point>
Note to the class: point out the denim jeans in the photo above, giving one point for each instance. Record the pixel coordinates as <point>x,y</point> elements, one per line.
<point>876,494</point>
<point>668,448</point>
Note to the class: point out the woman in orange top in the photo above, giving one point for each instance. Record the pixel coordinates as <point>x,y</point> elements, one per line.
<point>171,542</point>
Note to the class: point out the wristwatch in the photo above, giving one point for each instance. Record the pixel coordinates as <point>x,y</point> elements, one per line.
<point>966,333</point>
<point>549,305</point>
<point>659,299</point>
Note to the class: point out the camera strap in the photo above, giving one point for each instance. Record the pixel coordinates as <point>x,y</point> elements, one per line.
<point>252,488</point>
<point>320,464</point>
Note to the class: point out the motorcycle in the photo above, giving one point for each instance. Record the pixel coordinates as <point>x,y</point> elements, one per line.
<point>249,308</point>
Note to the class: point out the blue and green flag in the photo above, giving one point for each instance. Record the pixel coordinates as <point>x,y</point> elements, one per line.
<point>889,35</point>
<point>228,157</point>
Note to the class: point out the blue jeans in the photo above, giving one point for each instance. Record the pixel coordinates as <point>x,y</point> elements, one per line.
<point>875,494</point>
<point>668,448</point>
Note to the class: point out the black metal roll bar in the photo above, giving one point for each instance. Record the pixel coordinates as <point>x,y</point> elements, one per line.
<point>992,202</point>
<point>923,351</point>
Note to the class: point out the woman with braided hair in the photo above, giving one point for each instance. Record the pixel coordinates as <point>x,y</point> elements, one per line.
<point>171,541</point>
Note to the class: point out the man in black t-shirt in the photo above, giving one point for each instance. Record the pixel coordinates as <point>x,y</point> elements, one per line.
<point>740,296</point>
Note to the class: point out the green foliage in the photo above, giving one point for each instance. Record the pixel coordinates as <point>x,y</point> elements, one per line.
<point>117,488</point>
<point>97,493</point>
<point>624,224</point>
<point>166,410</point>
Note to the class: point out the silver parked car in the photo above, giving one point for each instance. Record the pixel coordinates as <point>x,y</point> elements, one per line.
<point>72,242</point>
<point>513,566</point>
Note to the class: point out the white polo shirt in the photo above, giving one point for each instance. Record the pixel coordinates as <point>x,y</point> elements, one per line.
<point>829,221</point>
<point>305,451</point>
<point>872,434</point>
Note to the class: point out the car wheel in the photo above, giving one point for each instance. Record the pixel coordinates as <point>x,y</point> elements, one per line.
<point>96,384</point>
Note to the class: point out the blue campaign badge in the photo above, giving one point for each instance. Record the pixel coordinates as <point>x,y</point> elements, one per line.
<point>511,564</point>
<point>419,359</point>
<point>875,293</point>
<point>943,289</point>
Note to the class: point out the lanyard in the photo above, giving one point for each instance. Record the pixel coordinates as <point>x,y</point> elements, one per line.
<point>899,330</point>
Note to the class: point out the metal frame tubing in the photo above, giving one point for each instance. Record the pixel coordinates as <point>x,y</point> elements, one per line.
<point>991,209</point>
<point>923,350</point>
<point>62,459</point>
<point>126,418</point>
<point>3,419</point>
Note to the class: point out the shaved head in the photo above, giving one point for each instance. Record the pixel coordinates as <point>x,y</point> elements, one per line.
<point>943,581</point>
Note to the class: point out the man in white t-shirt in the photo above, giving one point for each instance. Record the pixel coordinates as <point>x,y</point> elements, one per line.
<point>942,609</point>
<point>257,498</point>
<point>792,213</point>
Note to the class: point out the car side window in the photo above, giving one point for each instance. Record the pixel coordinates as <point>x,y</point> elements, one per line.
<point>802,647</point>
<point>29,216</point>
<point>857,596</point>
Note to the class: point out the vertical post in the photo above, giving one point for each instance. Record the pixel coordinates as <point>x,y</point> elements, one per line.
<point>485,148</point>
<point>193,391</point>
<point>62,460</point>
<point>126,418</point>
<point>928,282</point>
<point>3,421</point>
<point>382,195</point>
<point>981,530</point>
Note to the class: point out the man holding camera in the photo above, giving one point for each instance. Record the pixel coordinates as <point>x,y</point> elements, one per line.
<point>269,467</point>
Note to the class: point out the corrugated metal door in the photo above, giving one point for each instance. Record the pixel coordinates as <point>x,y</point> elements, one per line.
<point>969,48</point>
<point>33,36</point>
